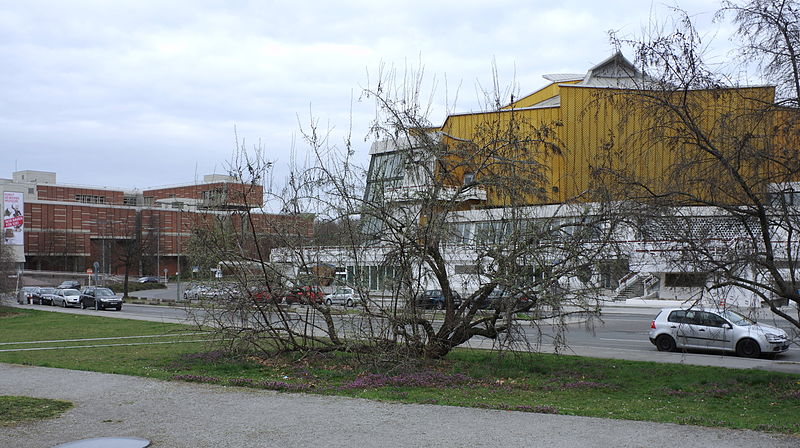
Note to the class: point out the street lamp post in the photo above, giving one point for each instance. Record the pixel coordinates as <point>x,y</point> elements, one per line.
<point>178,261</point>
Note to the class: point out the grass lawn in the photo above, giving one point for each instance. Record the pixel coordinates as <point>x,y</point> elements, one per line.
<point>15,410</point>
<point>708,396</point>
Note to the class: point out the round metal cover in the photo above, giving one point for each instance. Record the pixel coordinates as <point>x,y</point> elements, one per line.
<point>107,442</point>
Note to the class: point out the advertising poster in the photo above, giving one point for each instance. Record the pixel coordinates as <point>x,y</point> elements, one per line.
<point>13,218</point>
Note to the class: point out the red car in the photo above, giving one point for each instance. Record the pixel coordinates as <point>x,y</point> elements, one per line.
<point>304,295</point>
<point>264,297</point>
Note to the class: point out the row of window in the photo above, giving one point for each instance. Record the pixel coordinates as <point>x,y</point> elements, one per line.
<point>90,198</point>
<point>696,318</point>
<point>498,232</point>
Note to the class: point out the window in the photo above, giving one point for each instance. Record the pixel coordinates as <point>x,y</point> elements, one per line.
<point>711,319</point>
<point>90,199</point>
<point>469,179</point>
<point>684,317</point>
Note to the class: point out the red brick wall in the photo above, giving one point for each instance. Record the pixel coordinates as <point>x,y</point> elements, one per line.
<point>80,232</point>
<point>237,194</point>
<point>59,193</point>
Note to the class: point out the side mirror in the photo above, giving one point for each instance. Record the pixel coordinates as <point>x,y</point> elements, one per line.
<point>727,326</point>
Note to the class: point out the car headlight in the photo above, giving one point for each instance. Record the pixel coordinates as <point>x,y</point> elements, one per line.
<point>775,337</point>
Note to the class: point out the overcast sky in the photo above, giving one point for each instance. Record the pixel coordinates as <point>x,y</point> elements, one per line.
<point>134,94</point>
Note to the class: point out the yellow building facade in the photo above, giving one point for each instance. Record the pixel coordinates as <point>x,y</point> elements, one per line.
<point>565,136</point>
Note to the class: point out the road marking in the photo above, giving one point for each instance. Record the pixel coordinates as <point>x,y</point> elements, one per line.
<point>105,345</point>
<point>104,339</point>
<point>624,340</point>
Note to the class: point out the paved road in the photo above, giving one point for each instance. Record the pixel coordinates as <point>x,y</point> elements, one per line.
<point>621,335</point>
<point>178,415</point>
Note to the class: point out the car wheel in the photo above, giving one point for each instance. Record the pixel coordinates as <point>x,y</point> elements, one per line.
<point>665,343</point>
<point>83,305</point>
<point>439,305</point>
<point>64,304</point>
<point>328,302</point>
<point>119,308</point>
<point>349,302</point>
<point>748,348</point>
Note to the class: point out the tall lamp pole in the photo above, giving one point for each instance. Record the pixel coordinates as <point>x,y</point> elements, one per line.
<point>178,261</point>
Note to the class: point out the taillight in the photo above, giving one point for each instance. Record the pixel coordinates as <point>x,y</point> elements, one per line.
<point>653,325</point>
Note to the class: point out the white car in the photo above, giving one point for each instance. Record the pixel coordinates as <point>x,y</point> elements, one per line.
<point>708,329</point>
<point>343,296</point>
<point>66,297</point>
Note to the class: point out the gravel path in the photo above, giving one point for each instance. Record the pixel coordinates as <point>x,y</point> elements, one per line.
<point>174,414</point>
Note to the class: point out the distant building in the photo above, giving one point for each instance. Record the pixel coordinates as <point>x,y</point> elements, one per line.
<point>69,227</point>
<point>570,127</point>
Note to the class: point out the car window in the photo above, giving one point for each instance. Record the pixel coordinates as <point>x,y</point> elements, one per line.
<point>738,319</point>
<point>104,292</point>
<point>677,316</point>
<point>712,320</point>
<point>694,318</point>
<point>686,317</point>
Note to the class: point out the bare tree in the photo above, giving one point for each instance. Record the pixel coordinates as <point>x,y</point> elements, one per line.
<point>410,223</point>
<point>7,268</point>
<point>721,203</point>
<point>770,36</point>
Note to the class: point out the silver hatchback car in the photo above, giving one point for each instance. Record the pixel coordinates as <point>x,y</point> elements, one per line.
<point>707,329</point>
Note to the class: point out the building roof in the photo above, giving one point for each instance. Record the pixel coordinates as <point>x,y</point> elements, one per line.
<point>616,72</point>
<point>564,77</point>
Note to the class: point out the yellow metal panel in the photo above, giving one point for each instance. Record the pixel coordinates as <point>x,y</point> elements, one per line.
<point>545,93</point>
<point>626,131</point>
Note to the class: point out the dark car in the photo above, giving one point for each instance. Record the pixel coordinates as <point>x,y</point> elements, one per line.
<point>69,284</point>
<point>25,294</point>
<point>42,295</point>
<point>148,280</point>
<point>99,298</point>
<point>304,295</point>
<point>434,298</point>
<point>501,299</point>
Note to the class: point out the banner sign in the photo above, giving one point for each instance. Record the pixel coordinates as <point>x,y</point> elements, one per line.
<point>13,218</point>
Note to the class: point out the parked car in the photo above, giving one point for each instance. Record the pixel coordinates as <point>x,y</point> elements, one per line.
<point>434,298</point>
<point>210,292</point>
<point>69,284</point>
<point>49,298</point>
<point>501,299</point>
<point>43,295</point>
<point>343,296</point>
<point>99,298</point>
<point>66,297</point>
<point>197,292</point>
<point>25,294</point>
<point>264,296</point>
<point>149,280</point>
<point>708,329</point>
<point>304,295</point>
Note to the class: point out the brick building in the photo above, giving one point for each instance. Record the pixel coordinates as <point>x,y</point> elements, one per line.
<point>69,228</point>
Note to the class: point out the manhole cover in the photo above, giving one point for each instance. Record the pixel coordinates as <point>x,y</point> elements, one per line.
<point>107,442</point>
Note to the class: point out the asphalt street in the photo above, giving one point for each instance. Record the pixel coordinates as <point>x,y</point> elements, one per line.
<point>621,333</point>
